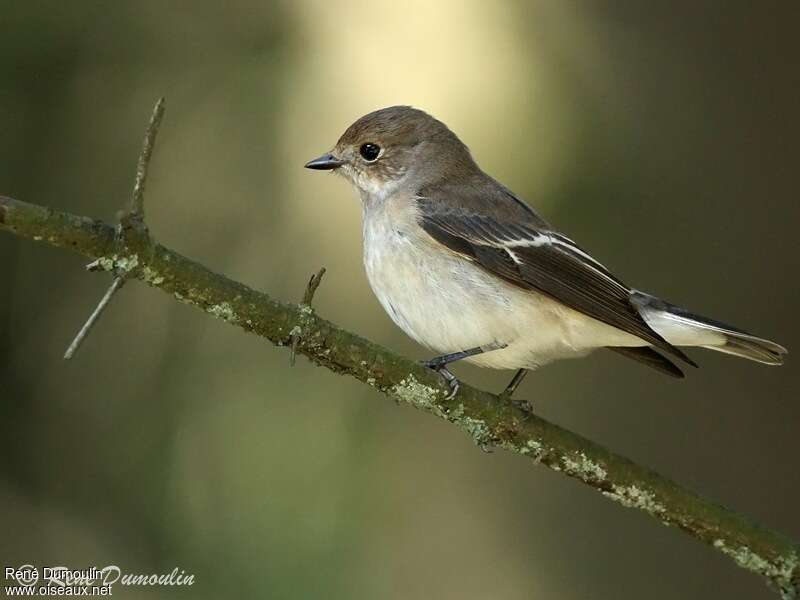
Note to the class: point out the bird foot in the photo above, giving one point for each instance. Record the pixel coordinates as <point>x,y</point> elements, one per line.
<point>452,380</point>
<point>506,396</point>
<point>524,405</point>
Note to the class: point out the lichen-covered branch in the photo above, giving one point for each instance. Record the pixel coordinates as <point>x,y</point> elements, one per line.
<point>488,420</point>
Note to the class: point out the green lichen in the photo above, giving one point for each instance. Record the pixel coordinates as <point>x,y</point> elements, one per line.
<point>151,276</point>
<point>477,430</point>
<point>305,319</point>
<point>531,448</point>
<point>581,466</point>
<point>305,316</point>
<point>633,496</point>
<point>534,447</point>
<point>418,394</point>
<point>780,571</point>
<point>424,396</point>
<point>117,263</point>
<point>456,413</point>
<point>223,311</point>
<point>106,263</point>
<point>127,263</point>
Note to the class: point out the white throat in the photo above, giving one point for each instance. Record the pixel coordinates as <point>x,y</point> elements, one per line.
<point>373,190</point>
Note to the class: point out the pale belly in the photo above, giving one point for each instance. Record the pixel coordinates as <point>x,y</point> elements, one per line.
<point>448,304</point>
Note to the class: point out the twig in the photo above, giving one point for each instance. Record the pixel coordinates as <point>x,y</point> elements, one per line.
<point>137,200</point>
<point>132,220</point>
<point>73,347</point>
<point>312,286</point>
<point>308,297</point>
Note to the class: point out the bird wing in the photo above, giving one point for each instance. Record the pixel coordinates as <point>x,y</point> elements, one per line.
<point>539,259</point>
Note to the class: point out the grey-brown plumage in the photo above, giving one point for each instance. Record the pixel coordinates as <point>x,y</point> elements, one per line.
<point>461,263</point>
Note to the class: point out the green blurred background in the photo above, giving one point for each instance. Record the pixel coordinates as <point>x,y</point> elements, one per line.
<point>663,136</point>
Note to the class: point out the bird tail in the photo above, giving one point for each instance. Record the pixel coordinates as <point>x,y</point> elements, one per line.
<point>683,328</point>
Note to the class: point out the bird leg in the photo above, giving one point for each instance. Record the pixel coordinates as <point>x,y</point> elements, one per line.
<point>439,363</point>
<point>523,405</point>
<point>514,384</point>
<point>451,379</point>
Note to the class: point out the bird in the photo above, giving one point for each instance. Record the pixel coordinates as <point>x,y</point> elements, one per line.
<point>472,272</point>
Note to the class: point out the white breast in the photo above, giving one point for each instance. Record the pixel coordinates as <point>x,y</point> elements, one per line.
<point>447,303</point>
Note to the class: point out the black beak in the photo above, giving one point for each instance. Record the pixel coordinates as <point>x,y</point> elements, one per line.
<point>326,162</point>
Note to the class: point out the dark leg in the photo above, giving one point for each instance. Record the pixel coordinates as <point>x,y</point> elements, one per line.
<point>515,381</point>
<point>451,380</point>
<point>439,363</point>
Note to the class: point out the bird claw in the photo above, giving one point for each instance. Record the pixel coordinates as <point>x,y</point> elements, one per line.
<point>454,385</point>
<point>523,405</point>
<point>452,380</point>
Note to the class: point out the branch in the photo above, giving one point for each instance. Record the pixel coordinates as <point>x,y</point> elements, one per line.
<point>487,419</point>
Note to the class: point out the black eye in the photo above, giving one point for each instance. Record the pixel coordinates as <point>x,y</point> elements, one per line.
<point>369,151</point>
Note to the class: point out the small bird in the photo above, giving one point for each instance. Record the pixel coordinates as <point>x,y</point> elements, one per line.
<point>467,269</point>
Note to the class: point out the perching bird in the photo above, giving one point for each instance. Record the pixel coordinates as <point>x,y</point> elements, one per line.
<point>466,268</point>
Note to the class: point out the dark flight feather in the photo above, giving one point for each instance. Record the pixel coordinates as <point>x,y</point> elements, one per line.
<point>651,358</point>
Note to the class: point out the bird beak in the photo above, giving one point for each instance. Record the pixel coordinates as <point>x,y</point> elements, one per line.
<point>326,162</point>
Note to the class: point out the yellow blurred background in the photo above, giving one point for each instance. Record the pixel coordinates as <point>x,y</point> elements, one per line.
<point>662,136</point>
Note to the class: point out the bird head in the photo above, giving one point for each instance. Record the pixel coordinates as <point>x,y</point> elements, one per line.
<point>387,147</point>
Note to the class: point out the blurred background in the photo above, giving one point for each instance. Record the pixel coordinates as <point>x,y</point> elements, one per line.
<point>661,135</point>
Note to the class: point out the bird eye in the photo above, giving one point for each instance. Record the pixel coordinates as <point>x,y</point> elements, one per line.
<point>370,152</point>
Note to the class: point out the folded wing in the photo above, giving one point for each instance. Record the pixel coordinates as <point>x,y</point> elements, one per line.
<point>542,260</point>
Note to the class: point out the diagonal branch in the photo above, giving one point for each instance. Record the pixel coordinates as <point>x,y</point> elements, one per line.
<point>488,420</point>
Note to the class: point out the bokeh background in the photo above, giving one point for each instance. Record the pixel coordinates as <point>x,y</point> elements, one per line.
<point>662,135</point>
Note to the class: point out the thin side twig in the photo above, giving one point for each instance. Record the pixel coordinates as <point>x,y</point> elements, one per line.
<point>308,297</point>
<point>137,200</point>
<point>312,286</point>
<point>87,327</point>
